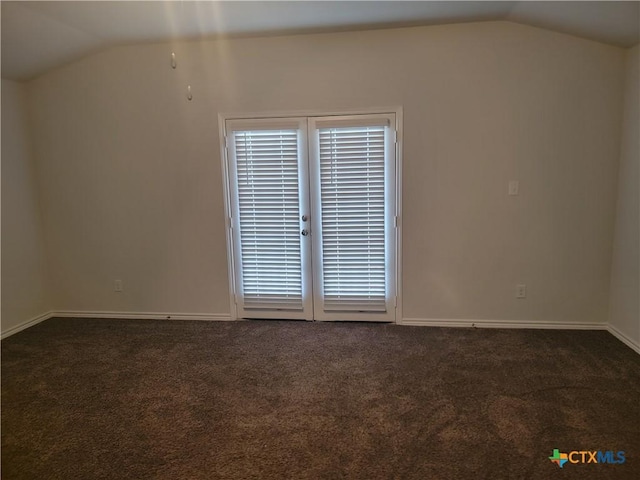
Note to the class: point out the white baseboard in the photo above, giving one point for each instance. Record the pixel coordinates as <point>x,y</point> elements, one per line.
<point>624,338</point>
<point>468,323</point>
<point>27,324</point>
<point>215,317</point>
<point>418,322</point>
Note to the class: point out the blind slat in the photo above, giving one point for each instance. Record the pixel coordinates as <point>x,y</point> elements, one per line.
<point>352,183</point>
<point>268,200</point>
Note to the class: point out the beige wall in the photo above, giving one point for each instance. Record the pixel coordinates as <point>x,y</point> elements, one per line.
<point>132,187</point>
<point>24,285</point>
<point>625,282</point>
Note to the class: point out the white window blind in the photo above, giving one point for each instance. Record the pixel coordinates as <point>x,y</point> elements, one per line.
<point>352,201</point>
<point>266,164</point>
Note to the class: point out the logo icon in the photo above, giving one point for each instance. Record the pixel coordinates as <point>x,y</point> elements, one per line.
<point>602,457</point>
<point>559,458</point>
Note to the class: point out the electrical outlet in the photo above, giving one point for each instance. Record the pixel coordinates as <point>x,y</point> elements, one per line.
<point>117,285</point>
<point>521,291</point>
<point>514,187</point>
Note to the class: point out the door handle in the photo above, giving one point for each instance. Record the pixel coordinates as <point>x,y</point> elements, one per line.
<point>305,232</point>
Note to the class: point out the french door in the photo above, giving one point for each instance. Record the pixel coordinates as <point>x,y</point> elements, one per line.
<point>312,217</point>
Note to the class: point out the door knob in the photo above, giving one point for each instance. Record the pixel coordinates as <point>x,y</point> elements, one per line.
<point>305,232</point>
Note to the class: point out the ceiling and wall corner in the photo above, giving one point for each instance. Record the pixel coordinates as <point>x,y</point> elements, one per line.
<point>38,36</point>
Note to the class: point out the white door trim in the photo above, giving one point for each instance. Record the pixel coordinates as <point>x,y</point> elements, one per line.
<point>222,119</point>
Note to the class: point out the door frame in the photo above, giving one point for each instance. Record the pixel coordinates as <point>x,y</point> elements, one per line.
<point>226,187</point>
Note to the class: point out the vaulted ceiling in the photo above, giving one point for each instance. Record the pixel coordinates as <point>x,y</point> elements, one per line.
<point>38,36</point>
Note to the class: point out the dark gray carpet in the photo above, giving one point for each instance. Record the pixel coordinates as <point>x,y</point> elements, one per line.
<point>122,399</point>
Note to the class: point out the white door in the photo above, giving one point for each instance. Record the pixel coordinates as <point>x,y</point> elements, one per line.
<point>313,217</point>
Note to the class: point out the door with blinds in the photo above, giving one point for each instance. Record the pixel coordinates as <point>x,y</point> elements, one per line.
<point>312,206</point>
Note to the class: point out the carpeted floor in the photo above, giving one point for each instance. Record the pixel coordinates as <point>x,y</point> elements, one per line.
<point>143,399</point>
